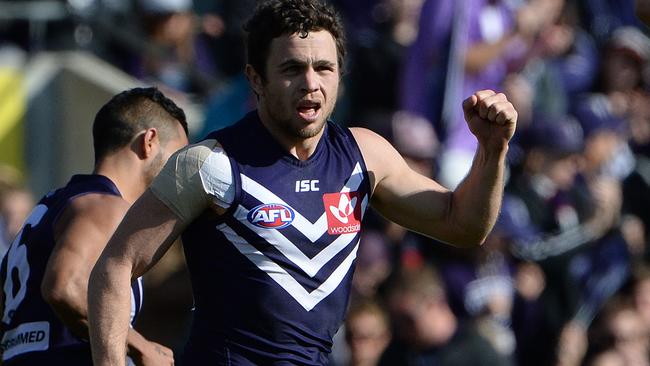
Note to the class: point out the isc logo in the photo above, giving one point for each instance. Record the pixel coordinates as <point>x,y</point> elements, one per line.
<point>307,185</point>
<point>271,216</point>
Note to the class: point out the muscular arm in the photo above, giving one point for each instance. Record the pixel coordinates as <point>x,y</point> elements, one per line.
<point>194,179</point>
<point>465,216</point>
<point>148,230</point>
<point>462,218</point>
<point>82,232</point>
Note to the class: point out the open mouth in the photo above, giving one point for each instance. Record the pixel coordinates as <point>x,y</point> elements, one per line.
<point>308,110</point>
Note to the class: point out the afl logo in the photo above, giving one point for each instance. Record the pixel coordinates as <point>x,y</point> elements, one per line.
<point>271,216</point>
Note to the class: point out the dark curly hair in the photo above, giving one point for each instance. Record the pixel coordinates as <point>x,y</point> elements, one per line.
<point>273,18</point>
<point>130,112</point>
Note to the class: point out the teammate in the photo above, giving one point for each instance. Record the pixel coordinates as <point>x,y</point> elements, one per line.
<point>45,273</point>
<point>270,208</point>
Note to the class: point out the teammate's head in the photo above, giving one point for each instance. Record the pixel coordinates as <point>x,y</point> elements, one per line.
<point>274,18</point>
<point>130,112</point>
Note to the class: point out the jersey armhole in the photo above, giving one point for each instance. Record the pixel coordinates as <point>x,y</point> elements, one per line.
<point>236,181</point>
<point>362,161</point>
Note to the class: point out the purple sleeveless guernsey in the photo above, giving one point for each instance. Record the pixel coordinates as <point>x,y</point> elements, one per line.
<point>32,334</point>
<point>271,278</point>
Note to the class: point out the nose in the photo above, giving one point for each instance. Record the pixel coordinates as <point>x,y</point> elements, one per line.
<point>311,82</point>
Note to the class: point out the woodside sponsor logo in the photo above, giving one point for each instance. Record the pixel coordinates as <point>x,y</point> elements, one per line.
<point>343,212</point>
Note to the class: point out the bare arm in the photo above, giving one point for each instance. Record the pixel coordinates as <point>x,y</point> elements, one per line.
<point>465,216</point>
<point>82,232</point>
<point>146,233</point>
<point>193,179</point>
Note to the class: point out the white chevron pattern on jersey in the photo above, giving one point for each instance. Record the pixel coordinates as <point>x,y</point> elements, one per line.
<point>307,300</point>
<point>289,250</point>
<point>311,231</point>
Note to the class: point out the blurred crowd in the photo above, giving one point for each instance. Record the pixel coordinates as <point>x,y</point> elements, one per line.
<point>563,279</point>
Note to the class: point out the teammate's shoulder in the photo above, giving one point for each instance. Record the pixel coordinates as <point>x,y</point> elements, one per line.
<point>98,203</point>
<point>97,207</point>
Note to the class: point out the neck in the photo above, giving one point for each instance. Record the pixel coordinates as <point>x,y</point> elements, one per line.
<point>121,170</point>
<point>300,147</point>
<point>305,148</point>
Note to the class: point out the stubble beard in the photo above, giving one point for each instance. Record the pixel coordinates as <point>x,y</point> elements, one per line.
<point>154,168</point>
<point>310,131</point>
<point>289,128</point>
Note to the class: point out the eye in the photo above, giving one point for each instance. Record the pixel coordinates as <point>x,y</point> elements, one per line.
<point>325,68</point>
<point>291,69</point>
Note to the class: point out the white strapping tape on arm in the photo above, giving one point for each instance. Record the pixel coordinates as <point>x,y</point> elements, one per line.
<point>193,177</point>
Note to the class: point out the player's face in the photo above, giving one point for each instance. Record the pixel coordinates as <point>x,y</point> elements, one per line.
<point>301,84</point>
<point>174,144</point>
<point>165,151</point>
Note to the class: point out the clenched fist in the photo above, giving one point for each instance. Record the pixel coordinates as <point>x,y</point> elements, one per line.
<point>491,118</point>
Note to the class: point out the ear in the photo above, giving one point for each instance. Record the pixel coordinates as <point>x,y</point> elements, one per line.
<point>254,79</point>
<point>150,143</point>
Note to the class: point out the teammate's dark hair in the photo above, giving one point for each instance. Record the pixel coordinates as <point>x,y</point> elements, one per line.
<point>130,112</point>
<point>273,18</point>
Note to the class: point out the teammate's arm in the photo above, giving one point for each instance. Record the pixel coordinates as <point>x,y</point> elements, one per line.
<point>463,217</point>
<point>194,179</point>
<point>81,233</point>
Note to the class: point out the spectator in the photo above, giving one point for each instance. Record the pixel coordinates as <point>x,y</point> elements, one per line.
<point>374,265</point>
<point>620,93</point>
<point>630,336</point>
<point>15,205</point>
<point>232,97</point>
<point>484,36</point>
<point>563,62</point>
<point>427,331</point>
<point>568,226</point>
<point>498,292</point>
<point>636,186</point>
<point>178,57</point>
<point>620,329</point>
<point>367,332</point>
<point>603,17</point>
<point>223,21</point>
<point>378,56</point>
